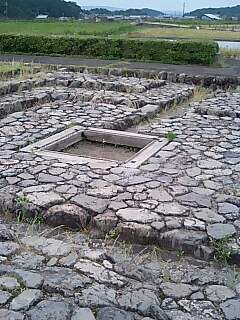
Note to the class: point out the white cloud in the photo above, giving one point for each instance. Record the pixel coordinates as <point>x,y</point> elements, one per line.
<point>161,4</point>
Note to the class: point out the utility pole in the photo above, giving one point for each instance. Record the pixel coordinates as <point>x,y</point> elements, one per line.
<point>6,9</point>
<point>184,7</point>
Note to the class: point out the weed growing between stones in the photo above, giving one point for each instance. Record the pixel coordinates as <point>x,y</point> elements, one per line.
<point>32,221</point>
<point>112,235</point>
<point>222,251</point>
<point>155,253</point>
<point>22,203</point>
<point>126,248</point>
<point>200,94</point>
<point>180,254</point>
<point>146,162</point>
<point>171,136</point>
<point>233,278</point>
<point>70,125</point>
<point>31,140</point>
<point>166,276</point>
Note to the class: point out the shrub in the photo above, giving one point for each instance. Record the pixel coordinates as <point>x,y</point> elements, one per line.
<point>179,52</point>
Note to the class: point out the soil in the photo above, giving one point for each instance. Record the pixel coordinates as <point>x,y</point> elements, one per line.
<point>100,150</point>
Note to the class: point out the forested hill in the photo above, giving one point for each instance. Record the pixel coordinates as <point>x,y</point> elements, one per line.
<point>128,12</point>
<point>228,12</point>
<point>28,9</point>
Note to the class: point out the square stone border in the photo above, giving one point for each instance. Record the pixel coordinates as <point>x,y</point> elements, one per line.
<point>51,147</point>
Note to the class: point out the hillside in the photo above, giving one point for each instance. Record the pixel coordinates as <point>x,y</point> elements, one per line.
<point>101,7</point>
<point>228,12</point>
<point>128,12</point>
<point>28,9</point>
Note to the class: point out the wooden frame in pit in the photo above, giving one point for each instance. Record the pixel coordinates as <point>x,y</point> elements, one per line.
<point>51,147</point>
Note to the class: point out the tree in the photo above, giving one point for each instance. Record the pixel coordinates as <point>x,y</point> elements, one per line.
<point>29,9</point>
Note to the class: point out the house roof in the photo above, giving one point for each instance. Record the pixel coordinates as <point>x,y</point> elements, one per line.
<point>42,16</point>
<point>212,16</point>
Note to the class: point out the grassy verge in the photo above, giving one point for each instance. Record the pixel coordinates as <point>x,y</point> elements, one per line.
<point>65,28</point>
<point>9,67</point>
<point>230,53</point>
<point>198,22</point>
<point>183,33</point>
<point>20,70</point>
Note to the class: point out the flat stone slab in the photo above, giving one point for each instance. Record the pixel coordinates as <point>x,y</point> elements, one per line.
<point>8,248</point>
<point>137,215</point>
<point>210,164</point>
<point>67,214</point>
<point>48,309</point>
<point>99,273</point>
<point>92,204</point>
<point>25,299</point>
<point>177,291</point>
<point>217,293</point>
<point>45,199</point>
<point>9,315</point>
<point>50,247</point>
<point>110,313</point>
<point>231,309</point>
<point>9,283</point>
<point>82,314</point>
<point>220,230</point>
<point>209,216</point>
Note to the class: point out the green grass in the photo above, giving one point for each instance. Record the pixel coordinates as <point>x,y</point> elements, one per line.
<point>198,22</point>
<point>65,28</point>
<point>171,136</point>
<point>9,67</point>
<point>230,53</point>
<point>19,70</point>
<point>222,250</point>
<point>184,33</point>
<point>121,29</point>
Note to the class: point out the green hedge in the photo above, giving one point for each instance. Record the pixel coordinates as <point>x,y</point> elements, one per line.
<point>179,52</point>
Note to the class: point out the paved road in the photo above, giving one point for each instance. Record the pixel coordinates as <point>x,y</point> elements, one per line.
<point>232,69</point>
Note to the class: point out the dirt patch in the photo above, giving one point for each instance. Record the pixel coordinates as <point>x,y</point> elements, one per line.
<point>101,150</point>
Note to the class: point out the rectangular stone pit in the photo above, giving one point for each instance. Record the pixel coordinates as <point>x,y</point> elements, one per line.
<point>129,149</point>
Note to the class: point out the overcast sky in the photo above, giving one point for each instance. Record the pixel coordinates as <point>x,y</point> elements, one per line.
<point>160,4</point>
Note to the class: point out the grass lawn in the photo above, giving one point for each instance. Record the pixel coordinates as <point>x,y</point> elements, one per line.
<point>65,28</point>
<point>9,67</point>
<point>230,53</point>
<point>19,70</point>
<point>114,29</point>
<point>180,33</point>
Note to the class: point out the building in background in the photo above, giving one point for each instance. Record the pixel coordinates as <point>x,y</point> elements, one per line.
<point>211,17</point>
<point>42,17</point>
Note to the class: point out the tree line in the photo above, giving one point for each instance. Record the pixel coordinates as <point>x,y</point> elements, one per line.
<point>29,9</point>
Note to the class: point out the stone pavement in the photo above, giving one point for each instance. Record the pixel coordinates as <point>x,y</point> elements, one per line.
<point>185,198</point>
<point>186,193</point>
<point>65,275</point>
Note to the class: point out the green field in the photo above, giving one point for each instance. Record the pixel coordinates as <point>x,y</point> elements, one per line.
<point>184,33</point>
<point>210,31</point>
<point>179,30</point>
<point>65,28</point>
<point>9,67</point>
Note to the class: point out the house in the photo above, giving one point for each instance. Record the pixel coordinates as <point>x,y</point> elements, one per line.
<point>190,17</point>
<point>209,16</point>
<point>42,17</point>
<point>65,18</point>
